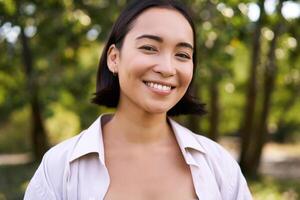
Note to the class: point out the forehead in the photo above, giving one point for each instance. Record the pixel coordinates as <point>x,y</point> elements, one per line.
<point>165,22</point>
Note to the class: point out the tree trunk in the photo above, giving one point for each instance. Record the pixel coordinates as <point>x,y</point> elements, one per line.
<point>247,125</point>
<point>260,135</point>
<point>214,110</point>
<point>39,136</point>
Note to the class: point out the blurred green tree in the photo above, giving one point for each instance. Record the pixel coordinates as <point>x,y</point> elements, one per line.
<point>50,39</point>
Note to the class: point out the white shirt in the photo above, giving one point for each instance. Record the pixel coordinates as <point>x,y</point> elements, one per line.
<point>75,169</point>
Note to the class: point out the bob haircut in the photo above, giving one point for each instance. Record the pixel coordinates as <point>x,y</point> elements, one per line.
<point>108,89</point>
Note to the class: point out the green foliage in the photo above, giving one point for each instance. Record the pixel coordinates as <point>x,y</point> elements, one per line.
<point>63,57</point>
<point>270,188</point>
<point>14,180</point>
<point>9,6</point>
<point>14,135</point>
<point>62,125</point>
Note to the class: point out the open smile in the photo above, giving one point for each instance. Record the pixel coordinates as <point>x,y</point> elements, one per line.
<point>163,88</point>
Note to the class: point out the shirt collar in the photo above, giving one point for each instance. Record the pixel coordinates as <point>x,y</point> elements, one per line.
<point>91,140</point>
<point>185,138</point>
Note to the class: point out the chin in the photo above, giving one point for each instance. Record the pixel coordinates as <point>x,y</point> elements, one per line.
<point>158,110</point>
<point>157,107</point>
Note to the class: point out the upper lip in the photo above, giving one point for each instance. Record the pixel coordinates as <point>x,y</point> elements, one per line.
<point>161,83</point>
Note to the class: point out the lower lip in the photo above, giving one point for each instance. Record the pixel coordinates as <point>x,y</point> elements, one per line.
<point>159,92</point>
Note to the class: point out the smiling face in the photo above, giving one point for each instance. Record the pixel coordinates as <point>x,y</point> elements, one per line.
<point>154,65</point>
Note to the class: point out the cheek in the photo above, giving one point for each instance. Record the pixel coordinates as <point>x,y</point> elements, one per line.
<point>135,67</point>
<point>186,75</point>
<point>130,73</point>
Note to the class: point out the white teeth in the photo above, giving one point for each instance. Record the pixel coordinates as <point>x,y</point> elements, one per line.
<point>158,86</point>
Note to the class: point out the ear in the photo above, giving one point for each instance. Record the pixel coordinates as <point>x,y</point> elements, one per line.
<point>113,55</point>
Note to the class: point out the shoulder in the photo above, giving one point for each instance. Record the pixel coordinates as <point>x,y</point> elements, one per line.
<point>217,157</point>
<point>219,161</point>
<point>56,159</point>
<point>47,182</point>
<point>59,154</point>
<point>225,168</point>
<point>213,149</point>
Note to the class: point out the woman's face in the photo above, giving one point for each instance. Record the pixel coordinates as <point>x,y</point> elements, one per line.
<point>155,64</point>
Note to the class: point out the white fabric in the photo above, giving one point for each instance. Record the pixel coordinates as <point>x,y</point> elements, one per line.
<point>75,168</point>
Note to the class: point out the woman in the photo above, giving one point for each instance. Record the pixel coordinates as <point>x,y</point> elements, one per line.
<point>139,152</point>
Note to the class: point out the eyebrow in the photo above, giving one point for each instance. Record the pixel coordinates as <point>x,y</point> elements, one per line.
<point>160,40</point>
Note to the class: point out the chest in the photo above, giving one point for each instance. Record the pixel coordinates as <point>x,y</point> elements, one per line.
<point>149,175</point>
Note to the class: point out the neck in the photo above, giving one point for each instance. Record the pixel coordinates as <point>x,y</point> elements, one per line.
<point>137,127</point>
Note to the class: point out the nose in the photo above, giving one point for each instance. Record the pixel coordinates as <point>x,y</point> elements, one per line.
<point>165,66</point>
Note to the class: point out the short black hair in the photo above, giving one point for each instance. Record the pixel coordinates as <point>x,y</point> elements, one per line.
<point>108,88</point>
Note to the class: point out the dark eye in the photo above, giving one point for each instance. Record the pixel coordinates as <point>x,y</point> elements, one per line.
<point>148,48</point>
<point>183,56</point>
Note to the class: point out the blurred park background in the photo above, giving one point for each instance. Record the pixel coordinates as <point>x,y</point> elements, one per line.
<point>248,75</point>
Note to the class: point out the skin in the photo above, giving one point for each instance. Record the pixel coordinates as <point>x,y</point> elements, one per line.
<point>140,124</point>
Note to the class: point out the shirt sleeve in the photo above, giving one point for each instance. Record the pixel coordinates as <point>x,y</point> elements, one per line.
<point>239,187</point>
<point>232,183</point>
<point>39,186</point>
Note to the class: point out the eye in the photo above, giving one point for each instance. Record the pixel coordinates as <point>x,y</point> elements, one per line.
<point>183,56</point>
<point>148,48</point>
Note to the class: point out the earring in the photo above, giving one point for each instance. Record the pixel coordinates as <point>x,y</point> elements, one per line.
<point>114,73</point>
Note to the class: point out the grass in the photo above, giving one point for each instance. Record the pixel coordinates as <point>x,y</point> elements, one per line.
<point>269,188</point>
<point>15,178</point>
